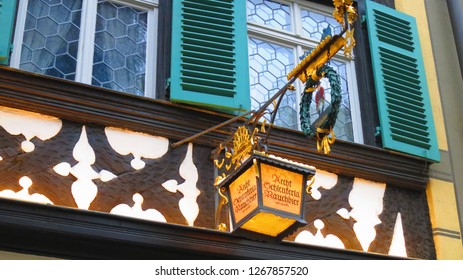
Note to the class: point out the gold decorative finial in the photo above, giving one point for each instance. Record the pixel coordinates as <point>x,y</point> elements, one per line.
<point>350,43</point>
<point>342,7</point>
<point>242,145</point>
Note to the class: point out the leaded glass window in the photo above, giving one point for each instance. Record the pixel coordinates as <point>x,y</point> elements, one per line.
<point>272,14</point>
<point>279,33</point>
<point>314,22</point>
<point>51,37</point>
<point>119,59</point>
<point>268,65</point>
<point>103,43</point>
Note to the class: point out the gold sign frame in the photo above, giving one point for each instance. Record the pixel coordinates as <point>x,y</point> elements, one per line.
<point>266,197</point>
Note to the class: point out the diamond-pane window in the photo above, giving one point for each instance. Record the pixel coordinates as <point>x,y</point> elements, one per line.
<point>47,26</point>
<point>314,22</point>
<point>60,13</point>
<point>269,63</point>
<point>49,34</point>
<point>59,39</point>
<point>38,9</point>
<point>123,60</point>
<point>275,46</point>
<point>270,13</point>
<point>56,45</point>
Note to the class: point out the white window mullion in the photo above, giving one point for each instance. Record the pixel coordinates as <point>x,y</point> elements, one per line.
<point>19,33</point>
<point>86,42</point>
<point>354,102</point>
<point>298,84</point>
<point>296,12</point>
<point>151,54</point>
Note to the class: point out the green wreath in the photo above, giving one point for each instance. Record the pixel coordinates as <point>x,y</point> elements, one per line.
<point>324,126</point>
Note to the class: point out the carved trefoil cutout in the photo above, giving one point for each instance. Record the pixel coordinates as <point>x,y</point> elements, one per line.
<point>137,211</point>
<point>318,239</point>
<point>140,145</point>
<point>25,182</point>
<point>30,125</point>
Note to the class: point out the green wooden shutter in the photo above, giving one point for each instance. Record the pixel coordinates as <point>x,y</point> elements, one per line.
<point>7,15</point>
<point>406,118</point>
<point>210,54</point>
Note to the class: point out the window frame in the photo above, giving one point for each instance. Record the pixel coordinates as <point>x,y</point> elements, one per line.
<point>296,40</point>
<point>366,86</point>
<point>86,43</point>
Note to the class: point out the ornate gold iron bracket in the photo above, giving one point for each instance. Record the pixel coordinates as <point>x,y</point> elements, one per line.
<point>252,136</point>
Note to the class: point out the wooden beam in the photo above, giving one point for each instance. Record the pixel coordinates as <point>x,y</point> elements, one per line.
<point>87,104</point>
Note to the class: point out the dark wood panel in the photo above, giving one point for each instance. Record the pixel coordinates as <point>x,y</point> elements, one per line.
<point>76,234</point>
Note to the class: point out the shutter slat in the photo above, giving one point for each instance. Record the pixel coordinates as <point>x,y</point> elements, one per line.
<point>207,69</point>
<point>394,59</point>
<point>213,64</point>
<point>404,96</point>
<point>396,105</point>
<point>217,79</point>
<point>199,27</point>
<point>385,22</point>
<point>401,136</point>
<point>407,123</point>
<point>400,86</point>
<point>217,8</point>
<point>190,79</point>
<point>394,75</point>
<point>209,54</point>
<point>408,129</point>
<point>405,71</point>
<point>205,55</point>
<point>211,15</point>
<point>212,50</point>
<point>406,119</point>
<point>208,37</point>
<point>199,22</point>
<point>216,19</point>
<point>7,16</point>
<point>221,3</point>
<point>200,44</point>
<point>393,27</point>
<point>194,87</point>
<point>382,14</point>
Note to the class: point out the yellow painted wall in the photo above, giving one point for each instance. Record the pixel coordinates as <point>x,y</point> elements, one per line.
<point>441,194</point>
<point>444,219</point>
<point>417,9</point>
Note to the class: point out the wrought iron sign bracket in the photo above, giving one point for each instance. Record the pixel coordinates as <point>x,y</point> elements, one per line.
<point>242,162</point>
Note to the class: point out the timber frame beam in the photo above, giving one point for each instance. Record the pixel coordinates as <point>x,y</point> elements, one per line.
<point>69,233</point>
<point>88,104</point>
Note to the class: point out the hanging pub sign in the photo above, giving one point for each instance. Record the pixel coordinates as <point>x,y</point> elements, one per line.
<point>266,196</point>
